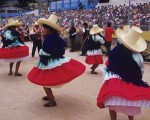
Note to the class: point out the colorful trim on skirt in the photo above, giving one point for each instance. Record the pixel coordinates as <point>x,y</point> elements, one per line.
<point>58,75</point>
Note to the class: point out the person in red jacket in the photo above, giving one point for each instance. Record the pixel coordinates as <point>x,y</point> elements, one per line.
<point>108,36</point>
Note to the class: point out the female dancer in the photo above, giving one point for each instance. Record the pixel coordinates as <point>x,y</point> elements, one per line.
<point>123,89</point>
<point>94,53</point>
<point>53,69</point>
<point>13,50</point>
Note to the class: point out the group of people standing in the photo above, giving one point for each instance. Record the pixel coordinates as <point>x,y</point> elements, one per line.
<point>123,89</point>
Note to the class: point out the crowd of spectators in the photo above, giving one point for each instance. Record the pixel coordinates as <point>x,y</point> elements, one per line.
<point>136,14</point>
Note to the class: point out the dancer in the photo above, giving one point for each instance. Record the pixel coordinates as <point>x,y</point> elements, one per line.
<point>122,28</point>
<point>123,89</point>
<point>53,69</point>
<point>94,53</point>
<point>13,50</point>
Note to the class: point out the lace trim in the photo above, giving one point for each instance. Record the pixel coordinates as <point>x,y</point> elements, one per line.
<point>94,52</point>
<point>123,102</point>
<point>52,63</point>
<point>14,45</point>
<point>15,59</point>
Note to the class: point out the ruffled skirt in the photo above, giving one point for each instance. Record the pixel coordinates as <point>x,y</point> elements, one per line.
<point>14,54</point>
<point>94,57</point>
<point>56,75</point>
<point>123,97</point>
<point>97,59</point>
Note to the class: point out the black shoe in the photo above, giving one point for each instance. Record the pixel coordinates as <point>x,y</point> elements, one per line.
<point>94,73</point>
<point>82,55</point>
<point>18,74</point>
<point>45,98</point>
<point>49,104</point>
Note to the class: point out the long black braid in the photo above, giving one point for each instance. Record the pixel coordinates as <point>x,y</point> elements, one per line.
<point>122,63</point>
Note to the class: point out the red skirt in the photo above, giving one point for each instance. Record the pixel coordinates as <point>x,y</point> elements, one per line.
<point>119,88</point>
<point>96,59</point>
<point>56,76</point>
<point>15,52</point>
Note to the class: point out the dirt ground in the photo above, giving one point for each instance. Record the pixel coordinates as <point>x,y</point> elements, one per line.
<point>22,100</point>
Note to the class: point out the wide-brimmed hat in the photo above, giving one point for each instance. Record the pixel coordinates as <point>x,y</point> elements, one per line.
<point>51,21</point>
<point>18,23</point>
<point>132,39</point>
<point>12,22</point>
<point>35,24</point>
<point>95,29</point>
<point>125,29</point>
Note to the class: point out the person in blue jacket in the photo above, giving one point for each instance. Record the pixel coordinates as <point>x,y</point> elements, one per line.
<point>53,69</point>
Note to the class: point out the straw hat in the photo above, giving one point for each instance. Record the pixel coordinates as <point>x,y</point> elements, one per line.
<point>132,39</point>
<point>51,21</point>
<point>12,22</point>
<point>35,24</point>
<point>95,29</point>
<point>18,23</point>
<point>125,29</point>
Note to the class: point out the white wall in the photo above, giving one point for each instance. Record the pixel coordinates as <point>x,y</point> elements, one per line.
<point>140,1</point>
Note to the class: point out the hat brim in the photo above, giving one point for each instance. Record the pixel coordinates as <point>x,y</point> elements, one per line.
<point>120,31</point>
<point>12,24</point>
<point>35,24</point>
<point>140,45</point>
<point>42,21</point>
<point>92,32</point>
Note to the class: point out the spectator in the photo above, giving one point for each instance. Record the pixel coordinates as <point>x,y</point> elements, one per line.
<point>72,37</point>
<point>85,31</point>
<point>37,38</point>
<point>108,37</point>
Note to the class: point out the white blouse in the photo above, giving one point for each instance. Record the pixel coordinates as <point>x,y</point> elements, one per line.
<point>139,60</point>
